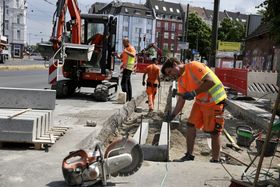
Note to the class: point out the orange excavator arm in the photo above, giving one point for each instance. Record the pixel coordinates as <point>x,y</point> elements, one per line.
<point>60,25</point>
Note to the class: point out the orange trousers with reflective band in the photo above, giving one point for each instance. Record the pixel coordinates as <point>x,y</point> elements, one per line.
<point>208,118</point>
<point>151,92</point>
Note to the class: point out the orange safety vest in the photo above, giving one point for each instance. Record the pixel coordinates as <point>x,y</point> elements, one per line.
<point>127,60</point>
<point>190,80</point>
<point>153,73</point>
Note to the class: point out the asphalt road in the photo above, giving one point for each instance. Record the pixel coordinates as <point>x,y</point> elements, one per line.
<point>24,79</point>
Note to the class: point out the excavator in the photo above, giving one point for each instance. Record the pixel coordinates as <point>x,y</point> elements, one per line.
<point>144,58</point>
<point>80,52</point>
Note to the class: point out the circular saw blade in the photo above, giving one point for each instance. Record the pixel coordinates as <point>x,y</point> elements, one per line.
<point>130,146</point>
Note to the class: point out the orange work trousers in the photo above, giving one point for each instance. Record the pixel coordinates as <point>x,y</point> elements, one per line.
<point>151,92</point>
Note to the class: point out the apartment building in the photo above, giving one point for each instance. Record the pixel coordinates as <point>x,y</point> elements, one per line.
<point>13,25</point>
<point>170,25</point>
<point>135,21</point>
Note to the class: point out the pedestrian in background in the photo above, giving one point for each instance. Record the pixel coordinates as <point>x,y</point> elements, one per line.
<point>196,80</point>
<point>128,59</point>
<point>152,83</point>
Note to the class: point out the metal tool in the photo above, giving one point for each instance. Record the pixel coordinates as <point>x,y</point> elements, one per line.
<point>123,157</point>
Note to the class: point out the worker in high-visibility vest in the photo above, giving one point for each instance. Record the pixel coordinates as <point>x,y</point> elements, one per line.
<point>153,82</point>
<point>196,80</point>
<point>128,59</point>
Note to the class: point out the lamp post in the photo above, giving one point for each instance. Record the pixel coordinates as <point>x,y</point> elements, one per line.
<point>214,33</point>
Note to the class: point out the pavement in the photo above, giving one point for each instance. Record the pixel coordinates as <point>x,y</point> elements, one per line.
<point>25,167</point>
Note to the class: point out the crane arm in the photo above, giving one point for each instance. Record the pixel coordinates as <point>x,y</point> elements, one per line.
<point>59,22</point>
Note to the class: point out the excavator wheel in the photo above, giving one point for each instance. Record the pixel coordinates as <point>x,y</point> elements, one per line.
<point>62,89</point>
<point>101,93</point>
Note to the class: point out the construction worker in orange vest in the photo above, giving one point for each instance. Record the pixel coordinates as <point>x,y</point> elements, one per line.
<point>128,60</point>
<point>153,82</point>
<point>196,80</point>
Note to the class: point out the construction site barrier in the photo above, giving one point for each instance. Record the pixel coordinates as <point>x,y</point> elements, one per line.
<point>250,83</point>
<point>236,79</point>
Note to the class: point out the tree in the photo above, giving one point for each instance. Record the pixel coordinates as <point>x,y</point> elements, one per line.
<point>271,14</point>
<point>199,35</point>
<point>231,31</point>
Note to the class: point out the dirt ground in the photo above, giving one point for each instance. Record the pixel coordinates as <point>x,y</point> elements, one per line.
<point>202,151</point>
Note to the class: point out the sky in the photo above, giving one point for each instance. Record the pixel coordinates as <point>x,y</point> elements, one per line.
<point>40,12</point>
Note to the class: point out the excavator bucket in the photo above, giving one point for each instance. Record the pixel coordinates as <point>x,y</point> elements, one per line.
<point>72,51</point>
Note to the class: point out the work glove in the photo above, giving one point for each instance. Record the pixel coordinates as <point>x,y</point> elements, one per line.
<point>143,83</point>
<point>188,95</point>
<point>169,118</point>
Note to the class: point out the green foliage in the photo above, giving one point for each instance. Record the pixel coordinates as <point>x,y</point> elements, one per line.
<point>165,52</point>
<point>231,31</point>
<point>271,14</point>
<point>199,35</point>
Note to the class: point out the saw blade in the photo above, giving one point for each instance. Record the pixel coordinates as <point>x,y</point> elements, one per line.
<point>130,146</point>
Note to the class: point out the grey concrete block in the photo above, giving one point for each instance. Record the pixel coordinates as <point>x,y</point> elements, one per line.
<point>164,134</point>
<point>27,98</point>
<point>251,113</point>
<point>155,153</point>
<point>21,130</point>
<point>143,132</point>
<point>41,117</point>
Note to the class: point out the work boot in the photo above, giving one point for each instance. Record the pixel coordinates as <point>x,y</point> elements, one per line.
<point>217,161</point>
<point>187,157</point>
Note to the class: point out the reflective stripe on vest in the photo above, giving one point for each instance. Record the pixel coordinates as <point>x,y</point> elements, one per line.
<point>130,63</point>
<point>217,91</point>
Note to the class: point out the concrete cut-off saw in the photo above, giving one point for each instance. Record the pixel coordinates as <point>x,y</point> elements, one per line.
<point>123,157</point>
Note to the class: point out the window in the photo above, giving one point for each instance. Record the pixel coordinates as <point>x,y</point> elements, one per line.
<point>148,13</point>
<point>125,29</point>
<point>156,7</point>
<point>166,25</point>
<point>165,46</point>
<point>149,31</point>
<point>158,34</point>
<point>180,26</point>
<point>172,36</point>
<point>138,30</point>
<point>149,22</point>
<point>137,12</point>
<point>173,27</point>
<point>178,11</point>
<point>172,47</point>
<point>18,34</point>
<point>139,20</point>
<point>166,35</point>
<point>243,20</point>
<point>171,9</point>
<point>126,10</point>
<point>18,19</point>
<point>17,3</point>
<point>158,24</point>
<point>164,8</point>
<point>125,18</point>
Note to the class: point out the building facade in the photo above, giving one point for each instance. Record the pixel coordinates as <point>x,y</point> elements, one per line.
<point>14,25</point>
<point>135,21</point>
<point>170,25</point>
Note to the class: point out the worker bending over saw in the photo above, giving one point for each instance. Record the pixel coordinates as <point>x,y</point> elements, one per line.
<point>196,80</point>
<point>153,82</point>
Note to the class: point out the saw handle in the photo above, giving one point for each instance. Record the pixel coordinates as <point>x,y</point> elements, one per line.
<point>82,162</point>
